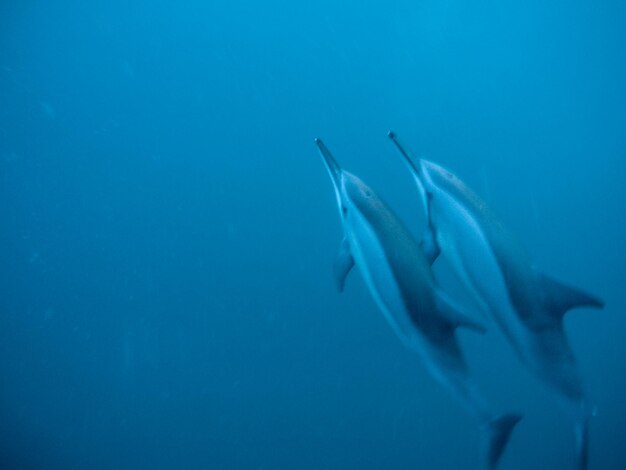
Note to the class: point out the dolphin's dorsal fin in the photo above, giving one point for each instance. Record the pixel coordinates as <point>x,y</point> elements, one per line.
<point>454,314</point>
<point>343,264</point>
<point>561,298</point>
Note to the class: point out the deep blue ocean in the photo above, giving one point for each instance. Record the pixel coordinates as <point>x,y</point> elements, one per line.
<point>168,229</point>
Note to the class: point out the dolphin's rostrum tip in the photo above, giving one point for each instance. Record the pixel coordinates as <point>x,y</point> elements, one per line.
<point>391,134</point>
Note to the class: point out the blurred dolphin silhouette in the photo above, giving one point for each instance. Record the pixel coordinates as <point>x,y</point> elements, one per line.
<point>401,282</point>
<point>526,304</point>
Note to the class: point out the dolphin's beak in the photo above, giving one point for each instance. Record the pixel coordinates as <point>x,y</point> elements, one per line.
<point>331,165</point>
<point>415,165</point>
<point>413,162</point>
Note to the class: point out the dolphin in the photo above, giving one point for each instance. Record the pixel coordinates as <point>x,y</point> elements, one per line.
<point>400,280</point>
<point>527,305</point>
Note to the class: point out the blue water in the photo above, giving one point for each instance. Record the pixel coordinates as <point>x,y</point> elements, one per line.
<point>167,228</point>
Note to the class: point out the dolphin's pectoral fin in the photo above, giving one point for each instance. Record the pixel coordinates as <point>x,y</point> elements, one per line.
<point>343,264</point>
<point>561,298</point>
<point>582,443</point>
<point>430,247</point>
<point>499,432</point>
<point>455,314</point>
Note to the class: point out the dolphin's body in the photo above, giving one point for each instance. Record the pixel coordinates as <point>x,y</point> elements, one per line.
<point>526,304</point>
<point>400,279</point>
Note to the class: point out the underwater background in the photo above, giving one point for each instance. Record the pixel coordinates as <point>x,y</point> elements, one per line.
<point>167,227</point>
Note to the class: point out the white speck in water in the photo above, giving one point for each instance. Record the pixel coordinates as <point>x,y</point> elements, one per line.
<point>48,110</point>
<point>48,314</point>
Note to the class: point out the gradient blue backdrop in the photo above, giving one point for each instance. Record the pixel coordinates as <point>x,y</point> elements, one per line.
<point>167,228</point>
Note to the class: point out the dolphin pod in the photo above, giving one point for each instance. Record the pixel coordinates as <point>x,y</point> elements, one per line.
<point>526,304</point>
<point>398,276</point>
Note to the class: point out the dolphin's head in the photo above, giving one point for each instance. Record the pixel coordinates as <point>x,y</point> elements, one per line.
<point>337,176</point>
<point>349,190</point>
<point>432,179</point>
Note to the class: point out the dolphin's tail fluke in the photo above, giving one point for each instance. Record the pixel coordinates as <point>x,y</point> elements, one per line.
<point>582,443</point>
<point>498,433</point>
